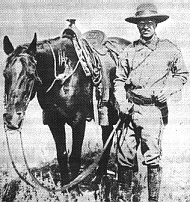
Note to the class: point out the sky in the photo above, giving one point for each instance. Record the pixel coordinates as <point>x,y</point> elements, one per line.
<point>20,19</point>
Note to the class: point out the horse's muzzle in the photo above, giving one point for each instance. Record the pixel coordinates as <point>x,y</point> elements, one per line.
<point>13,121</point>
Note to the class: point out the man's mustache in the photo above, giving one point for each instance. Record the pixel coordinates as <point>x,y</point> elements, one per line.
<point>144,30</point>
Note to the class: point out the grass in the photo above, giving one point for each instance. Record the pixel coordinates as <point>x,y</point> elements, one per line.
<point>175,183</point>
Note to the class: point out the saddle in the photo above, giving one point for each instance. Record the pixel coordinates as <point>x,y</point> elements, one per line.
<point>96,39</point>
<point>102,44</point>
<point>87,57</point>
<point>117,44</point>
<point>90,45</point>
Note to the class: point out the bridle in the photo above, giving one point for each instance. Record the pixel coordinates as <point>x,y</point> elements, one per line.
<point>27,100</point>
<point>6,129</point>
<point>27,97</point>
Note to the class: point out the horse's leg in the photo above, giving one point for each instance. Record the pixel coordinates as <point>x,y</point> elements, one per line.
<point>58,130</point>
<point>78,130</point>
<point>102,169</point>
<point>101,173</point>
<point>102,166</point>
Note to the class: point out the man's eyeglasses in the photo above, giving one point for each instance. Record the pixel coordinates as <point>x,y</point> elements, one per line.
<point>146,23</point>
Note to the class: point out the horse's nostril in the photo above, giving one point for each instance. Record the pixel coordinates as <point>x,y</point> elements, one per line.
<point>19,113</point>
<point>7,117</point>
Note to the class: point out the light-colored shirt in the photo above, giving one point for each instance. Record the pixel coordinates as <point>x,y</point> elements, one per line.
<point>150,66</point>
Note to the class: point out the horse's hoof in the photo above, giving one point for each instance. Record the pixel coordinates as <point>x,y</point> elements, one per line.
<point>74,196</point>
<point>76,191</point>
<point>66,198</point>
<point>107,200</point>
<point>136,198</point>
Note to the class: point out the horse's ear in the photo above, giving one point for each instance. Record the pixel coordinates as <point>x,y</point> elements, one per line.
<point>32,46</point>
<point>7,45</point>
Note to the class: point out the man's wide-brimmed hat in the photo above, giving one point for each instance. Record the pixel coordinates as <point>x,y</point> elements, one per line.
<point>147,11</point>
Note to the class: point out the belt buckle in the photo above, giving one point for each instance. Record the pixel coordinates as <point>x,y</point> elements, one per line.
<point>146,102</point>
<point>138,101</point>
<point>149,101</point>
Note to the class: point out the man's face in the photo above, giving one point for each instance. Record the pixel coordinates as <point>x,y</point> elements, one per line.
<point>147,28</point>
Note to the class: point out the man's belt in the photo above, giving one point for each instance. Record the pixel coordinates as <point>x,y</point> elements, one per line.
<point>141,100</point>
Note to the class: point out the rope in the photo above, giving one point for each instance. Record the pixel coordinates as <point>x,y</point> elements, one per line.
<point>7,139</point>
<point>12,161</point>
<point>36,181</point>
<point>86,172</point>
<point>89,170</point>
<point>93,61</point>
<point>62,77</point>
<point>54,60</point>
<point>76,181</point>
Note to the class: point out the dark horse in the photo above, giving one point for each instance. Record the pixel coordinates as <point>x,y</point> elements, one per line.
<point>64,91</point>
<point>64,86</point>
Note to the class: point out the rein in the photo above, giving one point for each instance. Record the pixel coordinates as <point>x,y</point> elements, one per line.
<point>7,139</point>
<point>36,181</point>
<point>12,161</point>
<point>66,187</point>
<point>86,172</point>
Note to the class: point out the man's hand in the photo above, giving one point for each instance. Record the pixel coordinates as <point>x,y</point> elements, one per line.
<point>124,108</point>
<point>163,95</point>
<point>124,111</point>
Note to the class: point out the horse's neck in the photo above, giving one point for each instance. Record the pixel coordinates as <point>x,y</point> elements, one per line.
<point>45,63</point>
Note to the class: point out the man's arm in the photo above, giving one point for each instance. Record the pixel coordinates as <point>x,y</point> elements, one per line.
<point>177,78</point>
<point>122,72</point>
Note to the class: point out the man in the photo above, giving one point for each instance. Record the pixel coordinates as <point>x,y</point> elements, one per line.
<point>151,70</point>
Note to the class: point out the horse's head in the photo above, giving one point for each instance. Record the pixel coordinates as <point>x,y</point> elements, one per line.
<point>20,76</point>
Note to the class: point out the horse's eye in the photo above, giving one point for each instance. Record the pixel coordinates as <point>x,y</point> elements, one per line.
<point>5,74</point>
<point>31,76</point>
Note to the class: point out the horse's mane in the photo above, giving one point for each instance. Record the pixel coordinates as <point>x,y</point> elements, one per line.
<point>45,41</point>
<point>40,44</point>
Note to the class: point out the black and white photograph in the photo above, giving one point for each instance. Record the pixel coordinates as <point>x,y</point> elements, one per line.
<point>95,103</point>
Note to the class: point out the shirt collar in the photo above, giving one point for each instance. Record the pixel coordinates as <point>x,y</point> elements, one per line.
<point>151,44</point>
